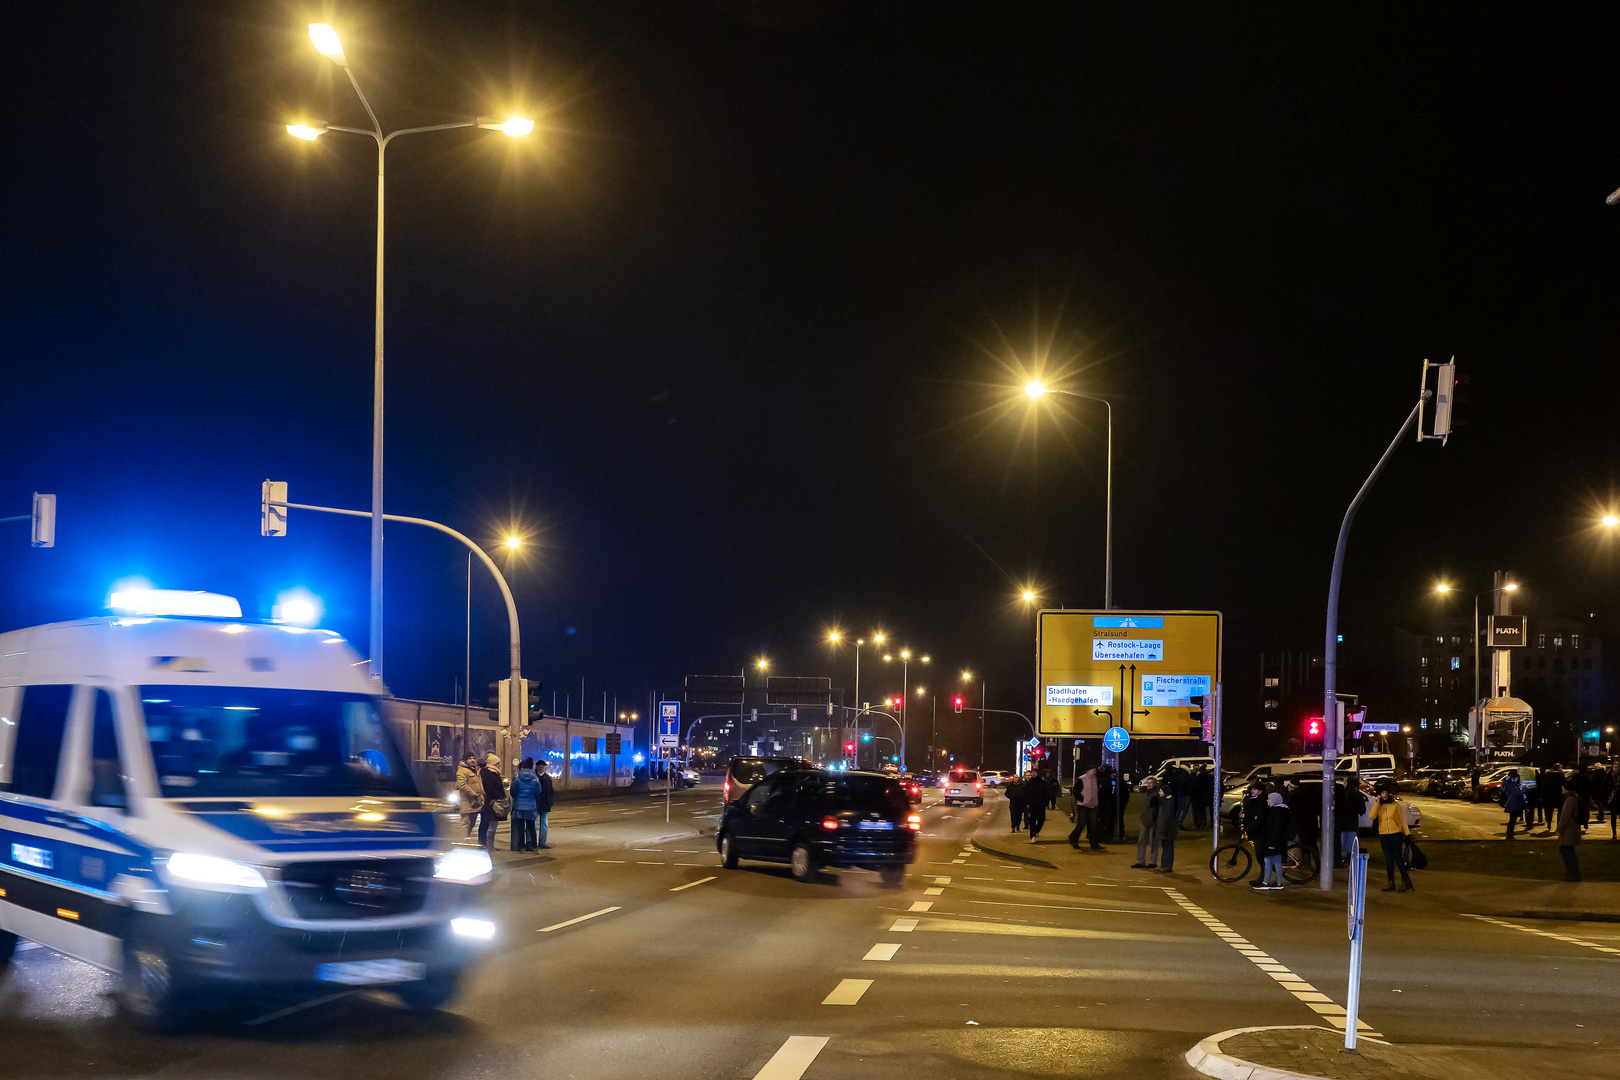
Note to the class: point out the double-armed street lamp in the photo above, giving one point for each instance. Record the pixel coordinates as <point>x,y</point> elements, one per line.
<point>834,638</point>
<point>1505,587</point>
<point>904,657</point>
<point>327,43</point>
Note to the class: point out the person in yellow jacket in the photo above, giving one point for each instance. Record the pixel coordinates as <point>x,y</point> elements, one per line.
<point>1389,817</point>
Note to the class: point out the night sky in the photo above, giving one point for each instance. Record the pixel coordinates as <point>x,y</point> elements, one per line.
<point>737,337</point>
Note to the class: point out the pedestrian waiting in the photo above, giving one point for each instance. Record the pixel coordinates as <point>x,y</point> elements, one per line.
<point>1147,834</point>
<point>1272,844</point>
<point>525,806</point>
<point>1389,817</point>
<point>1569,830</point>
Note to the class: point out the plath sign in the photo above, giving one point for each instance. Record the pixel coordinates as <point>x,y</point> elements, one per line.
<point>1137,670</point>
<point>1508,631</point>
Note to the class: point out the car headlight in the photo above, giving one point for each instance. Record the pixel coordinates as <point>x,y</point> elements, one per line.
<point>212,872</point>
<point>482,929</point>
<point>463,864</point>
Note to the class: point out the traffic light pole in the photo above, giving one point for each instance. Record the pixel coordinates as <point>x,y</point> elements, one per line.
<point>1332,731</point>
<point>517,705</point>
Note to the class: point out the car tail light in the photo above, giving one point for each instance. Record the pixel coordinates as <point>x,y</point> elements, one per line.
<point>829,823</point>
<point>727,786</point>
<point>978,786</point>
<point>914,823</point>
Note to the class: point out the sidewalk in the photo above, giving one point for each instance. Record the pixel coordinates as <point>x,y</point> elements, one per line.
<point>1314,1053</point>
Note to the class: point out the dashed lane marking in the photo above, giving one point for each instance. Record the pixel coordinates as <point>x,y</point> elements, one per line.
<point>903,926</point>
<point>921,905</point>
<point>942,881</point>
<point>1304,992</point>
<point>884,951</point>
<point>935,891</point>
<point>1546,934</point>
<point>691,884</point>
<point>571,922</point>
<point>644,862</point>
<point>795,1056</point>
<point>620,861</point>
<point>1073,907</point>
<point>847,992</point>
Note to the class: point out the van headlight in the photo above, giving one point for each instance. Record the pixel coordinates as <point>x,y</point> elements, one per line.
<point>463,864</point>
<point>212,872</point>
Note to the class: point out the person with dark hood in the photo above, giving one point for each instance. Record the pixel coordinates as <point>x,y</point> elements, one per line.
<point>1252,810</point>
<point>1550,789</point>
<point>1015,802</point>
<point>1169,827</point>
<point>1106,801</point>
<point>1513,802</point>
<point>1035,802</point>
<point>1348,804</point>
<point>1180,787</point>
<point>1203,796</point>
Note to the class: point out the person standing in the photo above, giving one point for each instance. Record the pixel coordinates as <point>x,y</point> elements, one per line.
<point>1015,802</point>
<point>1513,800</point>
<point>1473,779</point>
<point>1169,828</point>
<point>1273,842</point>
<point>542,804</point>
<point>494,792</point>
<point>1203,796</point>
<point>525,806</point>
<point>1253,811</point>
<point>1550,789</point>
<point>1106,797</point>
<point>1348,804</point>
<point>1147,836</point>
<point>1035,800</point>
<point>1569,830</point>
<point>1085,810</point>
<point>1180,785</point>
<point>470,790</point>
<point>1389,817</point>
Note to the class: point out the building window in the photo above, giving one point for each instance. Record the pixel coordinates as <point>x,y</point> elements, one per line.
<point>1425,680</point>
<point>1454,725</point>
<point>1424,724</point>
<point>1456,640</point>
<point>1454,682</point>
<point>1271,704</point>
<point>1456,663</point>
<point>1541,641</point>
<point>1423,661</point>
<point>1271,681</point>
<point>1575,641</point>
<point>1558,642</point>
<point>1439,639</point>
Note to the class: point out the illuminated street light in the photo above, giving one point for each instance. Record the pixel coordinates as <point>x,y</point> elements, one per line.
<point>1038,390</point>
<point>1034,389</point>
<point>877,638</point>
<point>834,636</point>
<point>1610,520</point>
<point>326,42</point>
<point>762,663</point>
<point>514,542</point>
<point>1442,588</point>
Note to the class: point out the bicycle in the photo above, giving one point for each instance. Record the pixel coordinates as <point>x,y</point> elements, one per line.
<point>1233,862</point>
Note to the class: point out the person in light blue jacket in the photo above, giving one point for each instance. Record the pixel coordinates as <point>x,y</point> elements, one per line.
<point>525,807</point>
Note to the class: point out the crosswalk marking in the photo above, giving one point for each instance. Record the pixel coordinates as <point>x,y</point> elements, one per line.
<point>847,992</point>
<point>795,1056</point>
<point>882,951</point>
<point>1545,933</point>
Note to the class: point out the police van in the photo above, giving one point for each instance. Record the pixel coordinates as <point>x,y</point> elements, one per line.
<point>205,803</point>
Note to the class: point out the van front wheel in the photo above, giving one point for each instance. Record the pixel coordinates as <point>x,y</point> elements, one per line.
<point>149,996</point>
<point>8,948</point>
<point>431,994</point>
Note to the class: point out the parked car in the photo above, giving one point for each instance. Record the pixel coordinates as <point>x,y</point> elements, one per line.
<point>744,772</point>
<point>817,818</point>
<point>994,777</point>
<point>962,786</point>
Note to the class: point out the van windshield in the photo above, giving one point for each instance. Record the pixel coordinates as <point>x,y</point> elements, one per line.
<point>258,742</point>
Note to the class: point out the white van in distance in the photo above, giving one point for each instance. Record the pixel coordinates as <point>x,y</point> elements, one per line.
<point>210,803</point>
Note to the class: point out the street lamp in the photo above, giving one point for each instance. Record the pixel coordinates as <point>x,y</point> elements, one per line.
<point>1037,390</point>
<point>1506,587</point>
<point>904,657</point>
<point>1610,521</point>
<point>514,542</point>
<point>327,43</point>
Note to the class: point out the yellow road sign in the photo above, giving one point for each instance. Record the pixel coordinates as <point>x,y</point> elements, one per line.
<point>1133,669</point>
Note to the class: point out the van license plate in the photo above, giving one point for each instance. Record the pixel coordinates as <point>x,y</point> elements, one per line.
<point>371,972</point>
<point>877,824</point>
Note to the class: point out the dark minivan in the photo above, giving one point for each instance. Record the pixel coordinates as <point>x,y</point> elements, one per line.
<point>816,818</point>
<point>746,770</point>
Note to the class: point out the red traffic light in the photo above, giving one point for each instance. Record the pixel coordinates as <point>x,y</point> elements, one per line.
<point>958,701</point>
<point>1313,727</point>
<point>849,748</point>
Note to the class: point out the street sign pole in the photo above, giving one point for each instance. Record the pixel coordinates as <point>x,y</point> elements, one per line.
<point>1357,907</point>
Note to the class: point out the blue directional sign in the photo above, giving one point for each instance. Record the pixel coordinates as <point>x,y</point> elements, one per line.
<point>669,718</point>
<point>1116,739</point>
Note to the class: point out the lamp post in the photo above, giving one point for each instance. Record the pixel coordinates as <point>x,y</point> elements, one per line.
<point>904,656</point>
<point>1039,390</point>
<point>1497,591</point>
<point>833,639</point>
<point>327,44</point>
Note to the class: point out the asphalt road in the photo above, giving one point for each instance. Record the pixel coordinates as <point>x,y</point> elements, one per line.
<point>626,951</point>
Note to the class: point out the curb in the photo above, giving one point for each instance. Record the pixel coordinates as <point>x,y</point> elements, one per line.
<point>1208,1059</point>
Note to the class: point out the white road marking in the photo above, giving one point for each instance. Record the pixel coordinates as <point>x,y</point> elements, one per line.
<point>978,879</point>
<point>921,905</point>
<point>620,861</point>
<point>903,926</point>
<point>935,891</point>
<point>847,992</point>
<point>942,881</point>
<point>689,884</point>
<point>795,1056</point>
<point>643,862</point>
<point>958,862</point>
<point>1545,933</point>
<point>1061,883</point>
<point>883,951</point>
<point>571,922</point>
<point>1072,907</point>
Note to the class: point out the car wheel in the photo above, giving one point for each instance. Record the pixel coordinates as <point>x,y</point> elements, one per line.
<point>430,994</point>
<point>893,875</point>
<point>728,852</point>
<point>802,862</point>
<point>978,802</point>
<point>149,995</point>
<point>8,948</point>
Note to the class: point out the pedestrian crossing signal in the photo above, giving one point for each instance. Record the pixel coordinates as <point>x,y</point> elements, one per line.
<point>958,701</point>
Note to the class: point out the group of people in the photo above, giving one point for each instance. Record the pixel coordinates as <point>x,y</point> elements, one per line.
<point>1567,803</point>
<point>1029,797</point>
<point>486,801</point>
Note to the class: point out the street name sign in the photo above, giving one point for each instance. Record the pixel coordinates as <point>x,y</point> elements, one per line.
<point>1135,670</point>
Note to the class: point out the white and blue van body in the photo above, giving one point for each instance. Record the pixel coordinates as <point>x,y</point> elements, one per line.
<point>202,803</point>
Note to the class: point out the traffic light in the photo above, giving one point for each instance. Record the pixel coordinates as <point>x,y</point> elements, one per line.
<point>1313,735</point>
<point>957,702</point>
<point>866,736</point>
<point>536,712</point>
<point>849,748</point>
